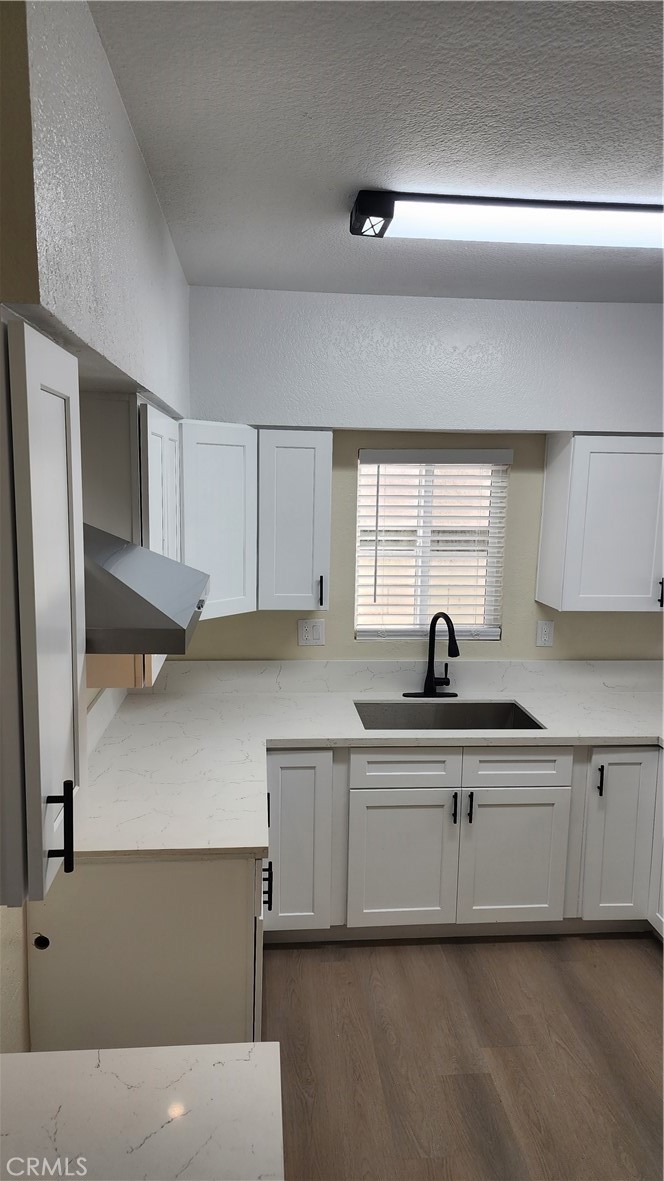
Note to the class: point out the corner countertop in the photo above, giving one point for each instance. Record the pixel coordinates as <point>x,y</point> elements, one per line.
<point>166,1112</point>
<point>182,768</point>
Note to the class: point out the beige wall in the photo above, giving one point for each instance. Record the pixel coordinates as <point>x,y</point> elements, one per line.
<point>14,1035</point>
<point>272,635</point>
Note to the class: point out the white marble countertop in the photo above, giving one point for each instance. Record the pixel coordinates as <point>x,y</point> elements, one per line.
<point>182,768</point>
<point>191,1113</point>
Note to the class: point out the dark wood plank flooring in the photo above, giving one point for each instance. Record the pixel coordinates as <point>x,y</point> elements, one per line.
<point>532,1060</point>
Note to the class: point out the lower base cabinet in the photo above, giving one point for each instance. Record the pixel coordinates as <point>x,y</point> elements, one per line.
<point>300,816</point>
<point>139,952</point>
<point>656,899</point>
<point>513,854</point>
<point>620,812</point>
<point>437,855</point>
<point>403,855</point>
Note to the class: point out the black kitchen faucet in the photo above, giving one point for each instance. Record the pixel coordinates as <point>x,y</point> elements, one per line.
<point>431,681</point>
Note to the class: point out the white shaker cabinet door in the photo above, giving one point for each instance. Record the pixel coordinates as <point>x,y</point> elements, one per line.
<point>513,854</point>
<point>300,815</point>
<point>160,476</point>
<point>656,899</point>
<point>601,535</point>
<point>295,484</point>
<point>49,535</point>
<point>160,497</point>
<point>403,854</point>
<point>620,811</point>
<point>219,517</point>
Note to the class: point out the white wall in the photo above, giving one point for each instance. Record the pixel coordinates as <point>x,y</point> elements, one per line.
<point>293,358</point>
<point>108,271</point>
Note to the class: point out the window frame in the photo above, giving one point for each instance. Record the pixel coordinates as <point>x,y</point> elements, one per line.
<point>494,457</point>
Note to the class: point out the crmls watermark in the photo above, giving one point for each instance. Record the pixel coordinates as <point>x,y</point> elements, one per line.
<point>40,1166</point>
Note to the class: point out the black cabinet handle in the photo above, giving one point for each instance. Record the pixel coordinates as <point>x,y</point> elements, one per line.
<point>455,806</point>
<point>268,809</point>
<point>661,592</point>
<point>67,801</point>
<point>321,596</point>
<point>268,882</point>
<point>471,797</point>
<point>600,785</point>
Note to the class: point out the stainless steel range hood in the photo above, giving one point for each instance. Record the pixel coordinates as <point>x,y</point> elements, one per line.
<point>136,600</point>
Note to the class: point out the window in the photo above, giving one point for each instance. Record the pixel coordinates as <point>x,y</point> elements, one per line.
<point>430,537</point>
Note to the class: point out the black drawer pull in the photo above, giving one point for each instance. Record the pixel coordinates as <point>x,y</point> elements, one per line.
<point>600,785</point>
<point>471,798</point>
<point>67,801</point>
<point>268,883</point>
<point>321,596</point>
<point>455,806</point>
<point>661,592</point>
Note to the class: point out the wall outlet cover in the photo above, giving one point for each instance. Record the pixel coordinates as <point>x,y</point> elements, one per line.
<point>310,633</point>
<point>544,637</point>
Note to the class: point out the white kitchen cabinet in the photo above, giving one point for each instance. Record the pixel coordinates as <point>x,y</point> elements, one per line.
<point>219,513</point>
<point>160,498</point>
<point>160,482</point>
<point>601,531</point>
<point>46,464</point>
<point>131,487</point>
<point>295,483</point>
<point>146,952</point>
<point>656,894</point>
<point>403,853</point>
<point>513,854</point>
<point>620,811</point>
<point>300,810</point>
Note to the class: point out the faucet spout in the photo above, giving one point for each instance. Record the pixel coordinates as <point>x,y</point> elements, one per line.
<point>431,681</point>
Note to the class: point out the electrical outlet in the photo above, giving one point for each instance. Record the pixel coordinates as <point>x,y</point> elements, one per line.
<point>544,638</point>
<point>310,632</point>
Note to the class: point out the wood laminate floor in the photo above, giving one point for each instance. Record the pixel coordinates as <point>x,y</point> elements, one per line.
<point>469,1061</point>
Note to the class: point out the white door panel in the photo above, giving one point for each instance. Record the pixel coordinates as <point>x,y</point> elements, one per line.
<point>47,480</point>
<point>294,513</point>
<point>300,786</point>
<point>513,854</point>
<point>619,833</point>
<point>219,512</point>
<point>403,849</point>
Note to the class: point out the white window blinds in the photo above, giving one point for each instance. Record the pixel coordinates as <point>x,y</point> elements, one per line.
<point>430,537</point>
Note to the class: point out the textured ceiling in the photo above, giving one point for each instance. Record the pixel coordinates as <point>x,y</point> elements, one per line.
<point>260,121</point>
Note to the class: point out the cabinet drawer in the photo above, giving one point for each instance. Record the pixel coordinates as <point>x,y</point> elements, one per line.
<point>405,767</point>
<point>517,766</point>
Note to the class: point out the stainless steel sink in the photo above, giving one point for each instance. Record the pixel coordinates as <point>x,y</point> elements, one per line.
<point>445,715</point>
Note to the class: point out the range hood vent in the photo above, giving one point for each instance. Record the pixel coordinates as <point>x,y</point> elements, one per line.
<point>136,600</point>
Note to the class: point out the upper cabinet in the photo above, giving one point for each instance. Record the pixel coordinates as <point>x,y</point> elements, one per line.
<point>601,534</point>
<point>219,495</point>
<point>295,482</point>
<point>46,463</point>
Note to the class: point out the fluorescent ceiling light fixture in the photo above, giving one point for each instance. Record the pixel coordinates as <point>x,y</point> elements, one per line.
<point>494,219</point>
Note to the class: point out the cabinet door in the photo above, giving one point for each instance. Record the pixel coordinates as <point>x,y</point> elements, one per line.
<point>294,512</point>
<point>513,854</point>
<point>160,498</point>
<point>620,812</point>
<point>656,899</point>
<point>403,854</point>
<point>219,517</point>
<point>300,786</point>
<point>613,556</point>
<point>49,539</point>
<point>160,482</point>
